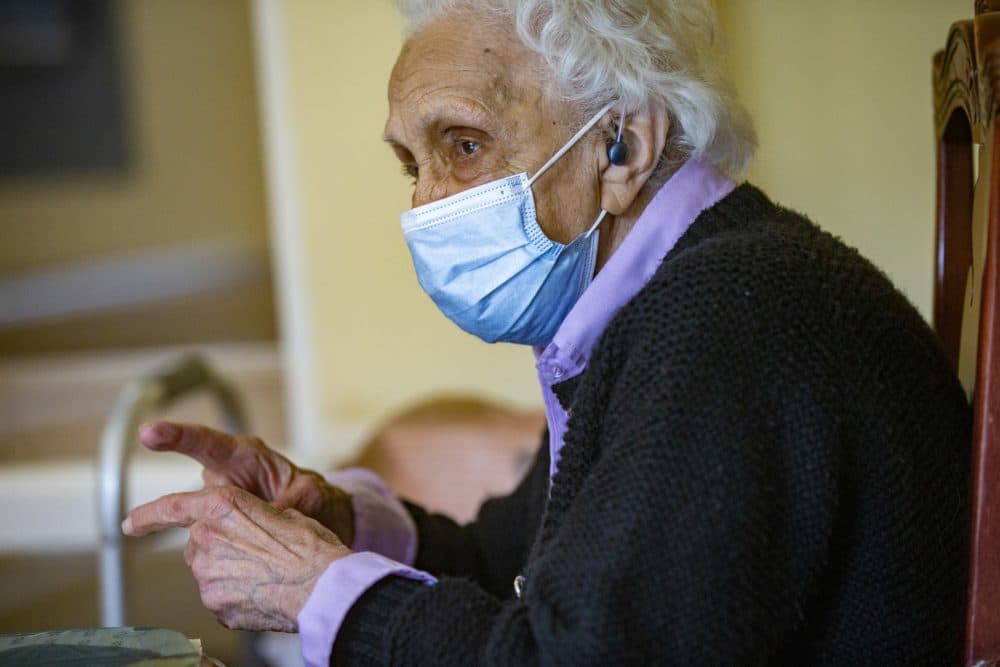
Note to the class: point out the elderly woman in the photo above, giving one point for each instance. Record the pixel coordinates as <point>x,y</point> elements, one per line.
<point>756,451</point>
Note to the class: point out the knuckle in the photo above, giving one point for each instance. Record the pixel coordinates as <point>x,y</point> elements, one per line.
<point>253,442</point>
<point>237,497</point>
<point>199,568</point>
<point>203,569</point>
<point>200,532</point>
<point>176,505</point>
<point>225,496</point>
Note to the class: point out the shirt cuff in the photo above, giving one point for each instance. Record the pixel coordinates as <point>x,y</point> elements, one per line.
<point>381,522</point>
<point>336,591</point>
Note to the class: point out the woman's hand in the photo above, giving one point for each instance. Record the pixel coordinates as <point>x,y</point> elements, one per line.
<point>255,565</point>
<point>246,462</point>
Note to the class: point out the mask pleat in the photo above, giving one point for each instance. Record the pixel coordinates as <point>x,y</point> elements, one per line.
<point>486,263</point>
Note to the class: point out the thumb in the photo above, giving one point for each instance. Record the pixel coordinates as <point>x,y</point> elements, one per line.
<point>311,495</point>
<point>298,495</point>
<point>308,493</point>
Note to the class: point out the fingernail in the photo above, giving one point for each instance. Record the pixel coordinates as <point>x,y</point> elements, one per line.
<point>127,525</point>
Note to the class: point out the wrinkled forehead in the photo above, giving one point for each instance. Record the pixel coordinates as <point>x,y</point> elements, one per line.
<point>457,60</point>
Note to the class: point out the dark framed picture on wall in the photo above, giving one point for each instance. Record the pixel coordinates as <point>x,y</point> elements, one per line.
<point>61,86</point>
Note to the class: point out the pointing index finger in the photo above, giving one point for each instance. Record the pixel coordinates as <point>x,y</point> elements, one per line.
<point>213,449</point>
<point>176,510</point>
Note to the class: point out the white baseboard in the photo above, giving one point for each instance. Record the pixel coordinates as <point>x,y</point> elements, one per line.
<point>52,506</point>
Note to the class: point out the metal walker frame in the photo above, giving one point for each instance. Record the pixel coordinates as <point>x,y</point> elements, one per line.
<point>136,402</point>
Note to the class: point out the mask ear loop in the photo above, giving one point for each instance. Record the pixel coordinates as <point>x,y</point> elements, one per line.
<point>565,149</point>
<point>618,140</point>
<point>597,223</point>
<point>572,142</point>
<point>600,217</point>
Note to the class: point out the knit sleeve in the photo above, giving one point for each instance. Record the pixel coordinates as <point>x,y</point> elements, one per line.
<point>695,497</point>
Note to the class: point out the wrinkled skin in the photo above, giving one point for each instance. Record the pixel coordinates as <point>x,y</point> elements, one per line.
<point>255,564</point>
<point>246,462</point>
<point>468,104</point>
<point>262,530</point>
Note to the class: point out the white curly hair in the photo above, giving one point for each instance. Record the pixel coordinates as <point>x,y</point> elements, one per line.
<point>635,54</point>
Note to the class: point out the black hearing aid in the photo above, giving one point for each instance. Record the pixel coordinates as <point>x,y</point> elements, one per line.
<point>618,151</point>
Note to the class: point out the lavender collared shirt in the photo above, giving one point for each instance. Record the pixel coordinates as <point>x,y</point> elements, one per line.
<point>385,540</point>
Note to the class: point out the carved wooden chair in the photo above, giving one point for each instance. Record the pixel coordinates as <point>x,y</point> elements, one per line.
<point>966,291</point>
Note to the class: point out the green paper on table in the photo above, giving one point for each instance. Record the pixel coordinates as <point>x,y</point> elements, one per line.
<point>100,647</point>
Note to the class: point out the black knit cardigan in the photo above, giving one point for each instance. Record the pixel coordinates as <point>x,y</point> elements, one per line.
<point>766,463</point>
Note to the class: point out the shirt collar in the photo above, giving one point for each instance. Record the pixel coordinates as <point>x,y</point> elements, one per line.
<point>694,187</point>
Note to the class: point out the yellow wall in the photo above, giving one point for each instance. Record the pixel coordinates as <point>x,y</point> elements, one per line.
<point>196,173</point>
<point>841,96</point>
<point>380,342</point>
<point>841,92</point>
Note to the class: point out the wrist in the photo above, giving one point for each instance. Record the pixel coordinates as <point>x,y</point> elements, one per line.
<point>300,594</point>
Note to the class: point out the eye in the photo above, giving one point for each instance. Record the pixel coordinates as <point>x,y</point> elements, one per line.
<point>468,147</point>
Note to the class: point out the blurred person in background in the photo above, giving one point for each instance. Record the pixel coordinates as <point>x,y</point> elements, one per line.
<point>756,450</point>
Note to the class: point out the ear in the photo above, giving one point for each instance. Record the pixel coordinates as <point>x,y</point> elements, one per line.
<point>645,134</point>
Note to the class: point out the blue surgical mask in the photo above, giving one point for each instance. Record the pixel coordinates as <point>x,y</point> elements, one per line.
<point>489,267</point>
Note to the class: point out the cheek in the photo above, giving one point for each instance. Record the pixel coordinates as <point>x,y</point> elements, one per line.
<point>567,207</point>
<point>439,179</point>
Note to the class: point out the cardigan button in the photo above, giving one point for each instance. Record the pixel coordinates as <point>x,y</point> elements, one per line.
<point>519,582</point>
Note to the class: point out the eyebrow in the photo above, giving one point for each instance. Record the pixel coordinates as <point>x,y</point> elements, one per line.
<point>463,114</point>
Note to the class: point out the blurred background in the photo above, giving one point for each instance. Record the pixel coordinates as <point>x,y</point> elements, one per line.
<point>209,175</point>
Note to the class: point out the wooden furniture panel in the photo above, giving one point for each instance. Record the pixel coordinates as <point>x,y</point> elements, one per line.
<point>967,258</point>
